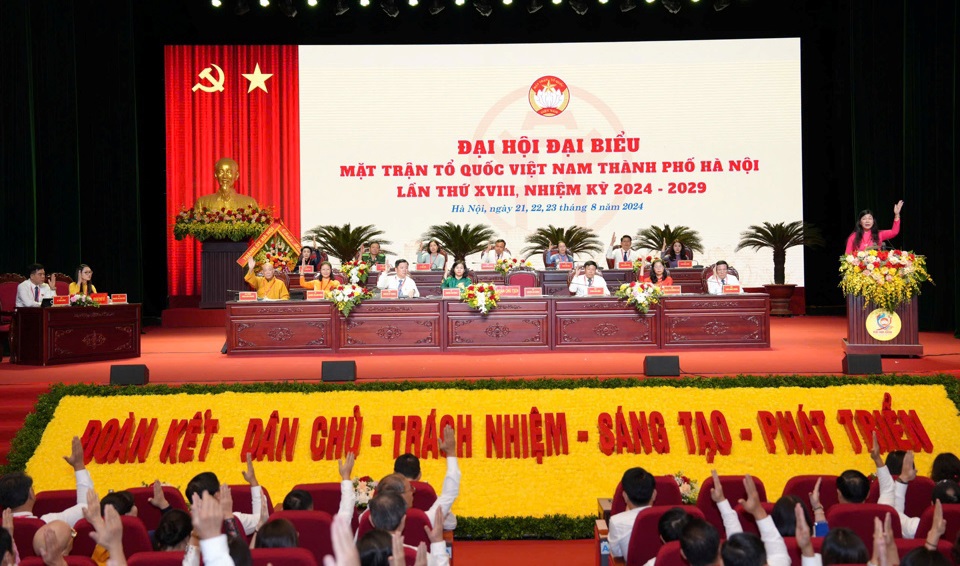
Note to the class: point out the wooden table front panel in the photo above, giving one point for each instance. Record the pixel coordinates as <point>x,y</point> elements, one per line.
<point>514,324</point>
<point>412,324</point>
<point>733,321</point>
<point>58,335</point>
<point>303,326</point>
<point>591,322</point>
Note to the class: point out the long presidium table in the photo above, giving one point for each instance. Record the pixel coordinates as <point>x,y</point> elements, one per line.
<point>525,324</point>
<point>59,335</point>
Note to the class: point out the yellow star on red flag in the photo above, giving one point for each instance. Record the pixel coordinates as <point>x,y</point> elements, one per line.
<point>257,79</point>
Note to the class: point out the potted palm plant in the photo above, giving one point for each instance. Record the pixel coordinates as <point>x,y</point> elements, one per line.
<point>460,240</point>
<point>780,237</point>
<point>579,240</point>
<point>343,242</point>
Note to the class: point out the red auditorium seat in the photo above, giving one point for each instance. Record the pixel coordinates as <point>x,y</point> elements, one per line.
<point>135,537</point>
<point>858,517</point>
<point>284,556</point>
<point>313,529</point>
<point>747,521</point>
<point>413,533</point>
<point>952,515</point>
<point>23,531</point>
<point>733,490</point>
<point>424,497</point>
<point>794,550</point>
<point>523,278</point>
<point>669,555</point>
<point>241,498</point>
<point>54,501</point>
<point>155,559</point>
<point>801,486</point>
<point>645,538</point>
<point>919,495</point>
<point>668,493</point>
<point>905,545</point>
<point>71,561</point>
<point>150,515</point>
<point>326,496</point>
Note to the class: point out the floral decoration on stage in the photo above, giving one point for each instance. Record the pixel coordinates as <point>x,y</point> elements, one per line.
<point>885,279</point>
<point>641,295</point>
<point>364,488</point>
<point>279,252</point>
<point>356,271</point>
<point>688,488</point>
<point>348,296</point>
<point>481,296</point>
<point>224,224</point>
<point>638,264</point>
<point>79,300</point>
<point>505,266</point>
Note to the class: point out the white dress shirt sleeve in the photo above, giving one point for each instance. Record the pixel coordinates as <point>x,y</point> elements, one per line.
<point>383,282</point>
<point>731,522</point>
<point>886,486</point>
<point>619,530</point>
<point>252,520</point>
<point>451,489</point>
<point>192,556</point>
<point>438,554</point>
<point>215,551</point>
<point>348,500</point>
<point>73,514</point>
<point>25,295</point>
<point>907,524</point>
<point>815,560</point>
<point>777,553</point>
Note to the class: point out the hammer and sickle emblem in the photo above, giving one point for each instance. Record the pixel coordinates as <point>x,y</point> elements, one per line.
<point>216,84</point>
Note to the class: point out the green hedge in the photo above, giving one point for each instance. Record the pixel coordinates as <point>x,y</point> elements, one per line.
<point>476,528</point>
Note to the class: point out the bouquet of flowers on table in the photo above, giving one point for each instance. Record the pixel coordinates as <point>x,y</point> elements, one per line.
<point>641,295</point>
<point>638,264</point>
<point>348,296</point>
<point>278,253</point>
<point>505,266</point>
<point>688,488</point>
<point>224,224</point>
<point>884,278</point>
<point>481,296</point>
<point>356,271</point>
<point>364,488</point>
<point>79,300</point>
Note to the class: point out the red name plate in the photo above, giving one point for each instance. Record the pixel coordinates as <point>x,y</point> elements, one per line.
<point>389,294</point>
<point>306,269</point>
<point>381,267</point>
<point>670,289</point>
<point>451,293</point>
<point>594,291</point>
<point>247,296</point>
<point>61,300</point>
<point>564,265</point>
<point>624,265</point>
<point>685,263</point>
<point>314,295</point>
<point>532,292</point>
<point>488,266</point>
<point>118,298</point>
<point>508,290</point>
<point>731,289</point>
<point>423,267</point>
<point>101,298</point>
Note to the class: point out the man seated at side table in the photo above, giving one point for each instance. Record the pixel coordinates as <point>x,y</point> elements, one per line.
<point>401,281</point>
<point>267,287</point>
<point>720,278</point>
<point>639,493</point>
<point>586,279</point>
<point>33,290</point>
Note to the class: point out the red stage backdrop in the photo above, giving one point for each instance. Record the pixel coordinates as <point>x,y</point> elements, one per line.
<point>214,111</point>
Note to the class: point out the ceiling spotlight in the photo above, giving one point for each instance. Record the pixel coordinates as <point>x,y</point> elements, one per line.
<point>627,5</point>
<point>312,3</point>
<point>264,3</point>
<point>579,6</point>
<point>216,3</point>
<point>287,7</point>
<point>651,1</point>
<point>672,6</point>
<point>459,2</point>
<point>483,6</point>
<point>507,2</point>
<point>242,7</point>
<point>342,7</point>
<point>534,5</point>
<point>413,2</point>
<point>364,3</point>
<point>436,6</point>
<point>390,7</point>
<point>720,4</point>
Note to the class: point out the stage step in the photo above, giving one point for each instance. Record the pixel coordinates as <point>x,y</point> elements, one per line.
<point>18,402</point>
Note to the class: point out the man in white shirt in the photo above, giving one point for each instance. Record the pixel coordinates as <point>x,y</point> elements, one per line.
<point>33,290</point>
<point>587,277</point>
<point>400,280</point>
<point>639,493</point>
<point>208,483</point>
<point>495,251</point>
<point>746,548</point>
<point>623,252</point>
<point>16,491</point>
<point>721,277</point>
<point>388,511</point>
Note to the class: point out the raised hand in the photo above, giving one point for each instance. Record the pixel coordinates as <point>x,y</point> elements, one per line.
<point>803,532</point>
<point>897,207</point>
<point>251,263</point>
<point>344,550</point>
<point>53,282</point>
<point>421,555</point>
<point>752,503</point>
<point>75,458</point>
<point>8,521</point>
<point>937,528</point>
<point>249,475</point>
<point>435,533</point>
<point>716,492</point>
<point>226,502</point>
<point>159,500</point>
<point>346,466</point>
<point>909,471</point>
<point>396,557</point>
<point>613,239</point>
<point>207,516</point>
<point>449,444</point>
<point>264,513</point>
<point>875,451</point>
<point>815,495</point>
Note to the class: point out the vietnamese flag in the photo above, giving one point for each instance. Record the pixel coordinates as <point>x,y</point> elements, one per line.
<point>237,101</point>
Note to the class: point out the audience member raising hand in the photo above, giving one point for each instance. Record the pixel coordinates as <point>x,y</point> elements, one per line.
<point>107,527</point>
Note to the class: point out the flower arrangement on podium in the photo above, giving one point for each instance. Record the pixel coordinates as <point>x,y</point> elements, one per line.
<point>641,295</point>
<point>505,266</point>
<point>356,271</point>
<point>79,300</point>
<point>885,279</point>
<point>688,488</point>
<point>481,296</point>
<point>224,224</point>
<point>348,296</point>
<point>364,488</point>
<point>278,252</point>
<point>638,264</point>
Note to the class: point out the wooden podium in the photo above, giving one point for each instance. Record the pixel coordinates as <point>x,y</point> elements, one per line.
<point>859,341</point>
<point>220,272</point>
